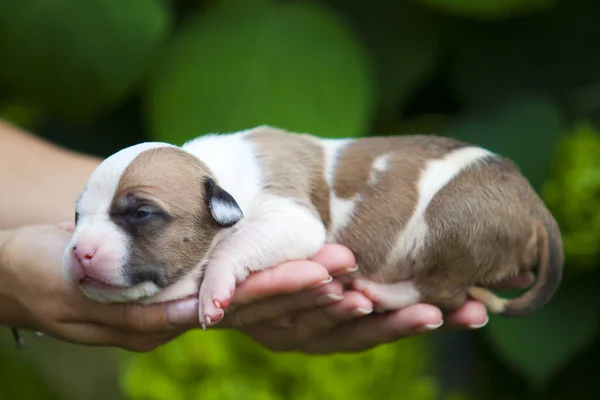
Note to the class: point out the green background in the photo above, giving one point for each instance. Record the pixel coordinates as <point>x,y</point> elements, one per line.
<point>521,77</point>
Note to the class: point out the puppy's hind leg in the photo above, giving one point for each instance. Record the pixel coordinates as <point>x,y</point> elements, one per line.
<point>388,296</point>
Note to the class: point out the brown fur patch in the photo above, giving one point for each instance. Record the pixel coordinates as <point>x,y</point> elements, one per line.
<point>384,207</point>
<point>166,247</point>
<point>488,235</point>
<point>294,165</point>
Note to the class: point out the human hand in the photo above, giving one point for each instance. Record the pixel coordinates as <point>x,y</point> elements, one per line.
<point>281,309</point>
<point>34,296</point>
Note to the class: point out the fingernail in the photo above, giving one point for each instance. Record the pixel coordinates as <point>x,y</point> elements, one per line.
<point>429,327</point>
<point>322,283</point>
<point>185,312</point>
<point>328,298</point>
<point>346,271</point>
<point>359,312</point>
<point>475,326</point>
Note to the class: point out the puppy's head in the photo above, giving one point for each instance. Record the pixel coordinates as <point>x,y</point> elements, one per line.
<point>147,217</point>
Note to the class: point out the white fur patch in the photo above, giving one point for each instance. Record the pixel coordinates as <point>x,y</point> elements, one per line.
<point>225,212</point>
<point>436,174</point>
<point>380,165</point>
<point>232,159</point>
<point>122,295</point>
<point>341,209</point>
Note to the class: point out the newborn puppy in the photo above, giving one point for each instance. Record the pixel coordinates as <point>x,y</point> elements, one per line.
<point>429,219</point>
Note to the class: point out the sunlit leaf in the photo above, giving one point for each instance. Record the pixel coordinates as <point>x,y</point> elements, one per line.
<point>246,370</point>
<point>293,65</point>
<point>573,195</point>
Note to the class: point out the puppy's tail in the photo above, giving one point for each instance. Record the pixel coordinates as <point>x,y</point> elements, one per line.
<point>549,276</point>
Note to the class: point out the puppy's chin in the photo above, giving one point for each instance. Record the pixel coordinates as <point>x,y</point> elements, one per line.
<point>185,287</point>
<point>103,293</point>
<point>143,293</point>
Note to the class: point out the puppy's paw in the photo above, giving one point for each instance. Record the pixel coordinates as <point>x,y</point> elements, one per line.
<point>369,290</point>
<point>388,296</point>
<point>68,226</point>
<point>216,293</point>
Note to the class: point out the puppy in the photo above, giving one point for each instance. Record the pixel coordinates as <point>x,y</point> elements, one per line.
<point>429,219</point>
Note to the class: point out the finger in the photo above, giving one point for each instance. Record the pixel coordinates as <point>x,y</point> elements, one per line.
<point>134,318</point>
<point>278,338</point>
<point>337,259</point>
<point>314,322</point>
<point>472,315</point>
<point>283,305</point>
<point>101,336</point>
<point>376,329</point>
<point>289,277</point>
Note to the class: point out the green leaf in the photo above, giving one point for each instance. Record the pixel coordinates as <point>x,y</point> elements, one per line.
<point>573,195</point>
<point>292,65</point>
<point>547,53</point>
<point>73,57</point>
<point>540,345</point>
<point>525,130</point>
<point>404,42</point>
<point>487,9</point>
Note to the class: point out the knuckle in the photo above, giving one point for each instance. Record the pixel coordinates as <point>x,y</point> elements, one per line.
<point>333,287</point>
<point>143,319</point>
<point>305,332</point>
<point>128,317</point>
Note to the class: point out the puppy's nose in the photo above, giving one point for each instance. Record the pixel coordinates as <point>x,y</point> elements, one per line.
<point>84,254</point>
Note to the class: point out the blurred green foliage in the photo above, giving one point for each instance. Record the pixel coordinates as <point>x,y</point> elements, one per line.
<point>207,365</point>
<point>573,193</point>
<point>521,77</point>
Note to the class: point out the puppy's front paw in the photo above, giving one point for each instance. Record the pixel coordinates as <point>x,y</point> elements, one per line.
<point>216,293</point>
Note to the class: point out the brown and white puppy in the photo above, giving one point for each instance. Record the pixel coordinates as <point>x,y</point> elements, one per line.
<point>429,219</point>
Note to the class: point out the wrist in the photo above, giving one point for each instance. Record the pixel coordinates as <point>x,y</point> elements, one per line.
<point>9,306</point>
<point>5,235</point>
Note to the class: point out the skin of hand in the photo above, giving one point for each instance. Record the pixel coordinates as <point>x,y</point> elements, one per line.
<point>34,296</point>
<point>293,306</point>
<point>326,319</point>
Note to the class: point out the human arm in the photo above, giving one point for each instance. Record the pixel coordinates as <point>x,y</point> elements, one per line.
<point>40,181</point>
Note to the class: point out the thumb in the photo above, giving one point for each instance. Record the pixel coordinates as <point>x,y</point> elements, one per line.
<point>153,318</point>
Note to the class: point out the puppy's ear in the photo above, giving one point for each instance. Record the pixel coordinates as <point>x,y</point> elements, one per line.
<point>224,209</point>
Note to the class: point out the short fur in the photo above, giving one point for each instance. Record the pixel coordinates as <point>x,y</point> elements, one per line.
<point>429,219</point>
